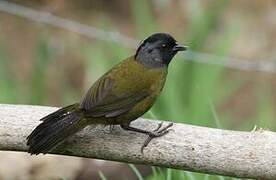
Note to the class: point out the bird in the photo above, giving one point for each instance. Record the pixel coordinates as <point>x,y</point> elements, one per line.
<point>120,96</point>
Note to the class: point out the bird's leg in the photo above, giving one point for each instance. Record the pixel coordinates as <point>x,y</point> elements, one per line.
<point>111,127</point>
<point>152,134</point>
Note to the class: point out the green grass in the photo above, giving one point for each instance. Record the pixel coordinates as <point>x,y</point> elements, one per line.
<point>102,176</point>
<point>193,91</point>
<point>136,172</point>
<point>41,60</point>
<point>8,84</point>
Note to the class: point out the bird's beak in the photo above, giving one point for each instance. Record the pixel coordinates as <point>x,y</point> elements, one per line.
<point>179,47</point>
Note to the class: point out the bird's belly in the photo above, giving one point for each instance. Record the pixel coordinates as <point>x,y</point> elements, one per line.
<point>136,112</point>
<point>143,106</point>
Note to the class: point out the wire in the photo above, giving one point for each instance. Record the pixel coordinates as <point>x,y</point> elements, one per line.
<point>233,63</point>
<point>113,36</point>
<point>47,18</point>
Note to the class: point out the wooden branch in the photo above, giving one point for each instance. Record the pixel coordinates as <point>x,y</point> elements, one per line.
<point>200,149</point>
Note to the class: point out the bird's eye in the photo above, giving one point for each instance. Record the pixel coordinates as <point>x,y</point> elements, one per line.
<point>164,45</point>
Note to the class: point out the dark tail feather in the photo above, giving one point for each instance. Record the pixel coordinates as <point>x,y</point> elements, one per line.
<point>55,128</point>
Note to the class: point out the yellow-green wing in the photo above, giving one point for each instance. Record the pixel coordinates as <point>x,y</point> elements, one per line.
<point>102,101</point>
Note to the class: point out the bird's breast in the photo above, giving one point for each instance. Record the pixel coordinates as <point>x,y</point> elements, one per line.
<point>131,77</point>
<point>137,78</point>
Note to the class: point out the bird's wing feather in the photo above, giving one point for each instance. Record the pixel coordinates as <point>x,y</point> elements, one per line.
<point>102,101</point>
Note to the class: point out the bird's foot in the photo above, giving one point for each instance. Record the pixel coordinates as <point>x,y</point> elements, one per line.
<point>158,132</point>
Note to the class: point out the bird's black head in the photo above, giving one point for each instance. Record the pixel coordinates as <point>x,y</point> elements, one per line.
<point>158,50</point>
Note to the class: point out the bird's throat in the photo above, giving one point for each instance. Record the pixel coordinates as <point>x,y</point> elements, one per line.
<point>150,62</point>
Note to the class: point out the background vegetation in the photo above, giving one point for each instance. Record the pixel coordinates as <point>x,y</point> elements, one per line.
<point>43,65</point>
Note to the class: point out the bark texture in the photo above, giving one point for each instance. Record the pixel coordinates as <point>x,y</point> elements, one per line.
<point>200,149</point>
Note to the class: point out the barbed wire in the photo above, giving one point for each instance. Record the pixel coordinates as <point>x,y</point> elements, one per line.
<point>113,36</point>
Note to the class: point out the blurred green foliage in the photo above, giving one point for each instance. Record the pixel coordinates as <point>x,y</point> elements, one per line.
<point>8,84</point>
<point>192,92</point>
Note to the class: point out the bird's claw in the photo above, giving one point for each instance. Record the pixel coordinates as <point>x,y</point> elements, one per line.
<point>158,127</point>
<point>156,133</point>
